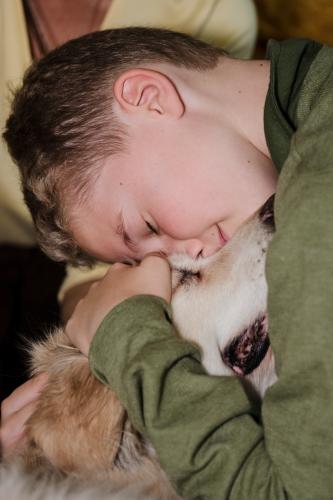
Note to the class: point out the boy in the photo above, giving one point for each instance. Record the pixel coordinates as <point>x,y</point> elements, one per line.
<point>154,142</point>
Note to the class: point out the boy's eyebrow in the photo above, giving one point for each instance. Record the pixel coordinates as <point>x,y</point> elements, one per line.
<point>121,231</point>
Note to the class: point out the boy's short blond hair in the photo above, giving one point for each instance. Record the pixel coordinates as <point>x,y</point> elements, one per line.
<point>62,124</point>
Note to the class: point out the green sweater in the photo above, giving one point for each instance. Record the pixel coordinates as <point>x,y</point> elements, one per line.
<point>211,440</point>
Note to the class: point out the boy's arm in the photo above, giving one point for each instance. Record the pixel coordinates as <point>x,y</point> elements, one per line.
<point>206,433</point>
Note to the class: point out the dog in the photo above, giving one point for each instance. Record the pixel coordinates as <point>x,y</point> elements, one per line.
<point>80,429</point>
<point>220,304</point>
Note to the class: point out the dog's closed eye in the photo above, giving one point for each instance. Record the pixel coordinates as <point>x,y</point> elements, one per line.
<point>185,277</point>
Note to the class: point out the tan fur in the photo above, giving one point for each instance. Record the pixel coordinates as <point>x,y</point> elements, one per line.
<point>81,429</point>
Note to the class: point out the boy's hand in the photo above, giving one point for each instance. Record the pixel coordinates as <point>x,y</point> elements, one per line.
<point>151,277</point>
<point>15,411</point>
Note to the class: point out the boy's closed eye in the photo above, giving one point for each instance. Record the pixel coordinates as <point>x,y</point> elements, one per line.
<point>151,228</point>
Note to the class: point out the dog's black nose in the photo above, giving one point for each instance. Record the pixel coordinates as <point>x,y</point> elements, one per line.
<point>266,213</point>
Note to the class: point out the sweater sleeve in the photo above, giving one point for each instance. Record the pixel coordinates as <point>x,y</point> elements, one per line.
<point>208,436</point>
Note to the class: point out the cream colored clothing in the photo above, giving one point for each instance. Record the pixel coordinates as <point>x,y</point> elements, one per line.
<point>230,24</point>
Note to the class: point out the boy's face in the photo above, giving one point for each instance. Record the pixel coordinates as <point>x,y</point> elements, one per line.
<point>183,186</point>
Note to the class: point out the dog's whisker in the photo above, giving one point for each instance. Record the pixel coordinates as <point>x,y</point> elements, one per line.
<point>69,347</point>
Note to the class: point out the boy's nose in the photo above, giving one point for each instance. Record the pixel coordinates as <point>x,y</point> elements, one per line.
<point>193,247</point>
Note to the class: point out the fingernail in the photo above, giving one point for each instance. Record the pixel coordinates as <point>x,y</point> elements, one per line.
<point>162,255</point>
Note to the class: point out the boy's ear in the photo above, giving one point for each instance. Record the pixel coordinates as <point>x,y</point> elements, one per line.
<point>147,91</point>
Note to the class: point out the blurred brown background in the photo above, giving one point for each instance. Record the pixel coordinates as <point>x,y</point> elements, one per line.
<point>282,19</point>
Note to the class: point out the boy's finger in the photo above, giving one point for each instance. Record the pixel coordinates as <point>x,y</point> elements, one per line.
<point>156,254</point>
<point>156,260</point>
<point>23,395</point>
